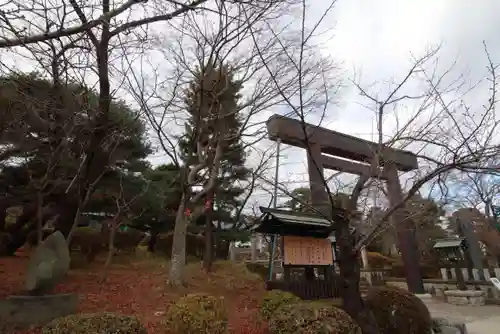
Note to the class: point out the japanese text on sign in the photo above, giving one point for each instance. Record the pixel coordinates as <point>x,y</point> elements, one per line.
<point>307,251</point>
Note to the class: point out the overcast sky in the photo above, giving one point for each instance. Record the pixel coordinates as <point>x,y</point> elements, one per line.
<point>375,39</point>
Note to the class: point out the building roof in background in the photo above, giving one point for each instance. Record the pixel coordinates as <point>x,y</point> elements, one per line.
<point>449,243</point>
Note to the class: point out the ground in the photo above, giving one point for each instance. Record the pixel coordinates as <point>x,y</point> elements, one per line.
<point>139,287</point>
<point>479,319</point>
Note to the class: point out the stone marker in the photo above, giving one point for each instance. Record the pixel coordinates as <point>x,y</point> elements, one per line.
<point>48,265</point>
<point>444,326</point>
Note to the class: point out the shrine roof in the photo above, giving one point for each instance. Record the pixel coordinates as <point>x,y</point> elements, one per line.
<point>283,222</point>
<point>448,243</point>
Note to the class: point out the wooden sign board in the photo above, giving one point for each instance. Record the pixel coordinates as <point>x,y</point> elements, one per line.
<point>307,251</point>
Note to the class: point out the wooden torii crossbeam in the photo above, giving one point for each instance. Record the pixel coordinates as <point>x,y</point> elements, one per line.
<point>333,150</point>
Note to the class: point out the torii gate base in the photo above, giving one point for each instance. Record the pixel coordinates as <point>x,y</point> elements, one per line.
<point>361,152</point>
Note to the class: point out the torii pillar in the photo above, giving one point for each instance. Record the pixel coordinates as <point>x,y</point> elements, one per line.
<point>360,153</point>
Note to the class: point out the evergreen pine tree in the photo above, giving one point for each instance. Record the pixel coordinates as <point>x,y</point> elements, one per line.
<point>212,102</point>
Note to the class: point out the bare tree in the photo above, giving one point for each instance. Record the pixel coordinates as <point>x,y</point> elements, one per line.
<point>104,29</point>
<point>447,136</point>
<point>474,194</point>
<point>209,149</point>
<point>41,21</point>
<point>453,138</point>
<point>97,27</point>
<point>477,190</point>
<point>191,56</point>
<point>123,205</point>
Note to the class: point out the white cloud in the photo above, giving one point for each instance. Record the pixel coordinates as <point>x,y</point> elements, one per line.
<point>375,41</point>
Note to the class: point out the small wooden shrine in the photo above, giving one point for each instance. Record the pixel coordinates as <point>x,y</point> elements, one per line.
<point>327,149</point>
<point>452,251</point>
<point>307,253</point>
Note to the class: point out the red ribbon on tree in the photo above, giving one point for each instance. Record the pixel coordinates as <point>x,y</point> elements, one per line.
<point>187,212</point>
<point>208,204</point>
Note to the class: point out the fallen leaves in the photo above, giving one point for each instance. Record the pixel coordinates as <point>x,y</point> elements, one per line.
<point>140,289</point>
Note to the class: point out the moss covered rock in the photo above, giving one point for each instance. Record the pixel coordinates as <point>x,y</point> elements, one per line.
<point>274,299</point>
<point>307,317</point>
<point>197,314</point>
<point>102,323</point>
<point>398,311</point>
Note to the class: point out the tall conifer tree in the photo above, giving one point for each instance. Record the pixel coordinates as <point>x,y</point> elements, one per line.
<point>212,103</point>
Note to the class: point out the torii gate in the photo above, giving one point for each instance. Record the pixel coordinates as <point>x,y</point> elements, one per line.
<point>361,152</point>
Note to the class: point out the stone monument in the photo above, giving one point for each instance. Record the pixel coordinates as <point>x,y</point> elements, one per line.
<point>47,267</point>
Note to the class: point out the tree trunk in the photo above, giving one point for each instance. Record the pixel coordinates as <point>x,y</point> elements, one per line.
<point>222,246</point>
<point>74,225</point>
<point>152,241</point>
<point>253,255</point>
<point>111,248</point>
<point>39,217</point>
<point>67,213</point>
<point>349,279</point>
<point>4,237</point>
<point>3,216</point>
<point>178,257</point>
<point>208,254</point>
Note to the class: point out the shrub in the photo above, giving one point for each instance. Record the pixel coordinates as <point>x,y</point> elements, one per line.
<point>12,214</point>
<point>274,299</point>
<point>77,260</point>
<point>261,269</point>
<point>127,241</point>
<point>377,260</point>
<point>427,270</point>
<point>398,311</point>
<point>95,323</point>
<point>308,317</point>
<point>195,245</point>
<point>90,242</point>
<point>233,275</point>
<point>197,314</point>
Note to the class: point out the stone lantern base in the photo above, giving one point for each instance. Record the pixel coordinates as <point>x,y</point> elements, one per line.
<point>467,297</point>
